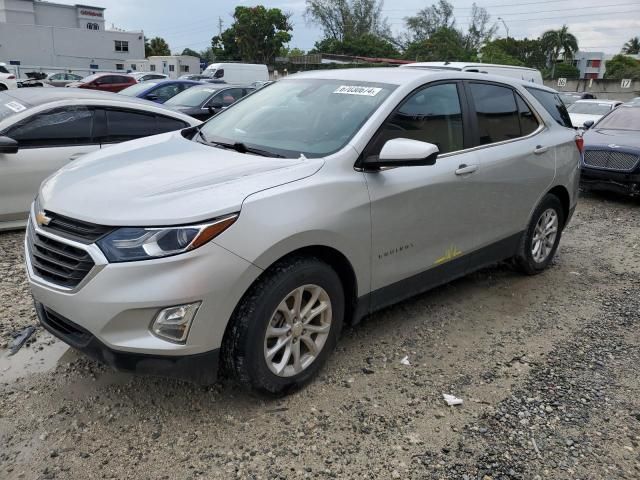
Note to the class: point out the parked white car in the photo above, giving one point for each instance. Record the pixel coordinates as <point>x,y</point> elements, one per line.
<point>590,110</point>
<point>521,73</point>
<point>249,241</point>
<point>8,80</point>
<point>43,129</point>
<point>145,76</point>
<point>238,73</point>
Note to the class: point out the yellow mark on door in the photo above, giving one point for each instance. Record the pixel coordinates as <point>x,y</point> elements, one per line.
<point>451,253</point>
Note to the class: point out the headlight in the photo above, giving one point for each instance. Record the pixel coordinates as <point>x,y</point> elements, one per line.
<point>128,244</point>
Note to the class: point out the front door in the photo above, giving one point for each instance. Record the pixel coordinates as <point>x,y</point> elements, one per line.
<point>423,218</point>
<point>47,141</point>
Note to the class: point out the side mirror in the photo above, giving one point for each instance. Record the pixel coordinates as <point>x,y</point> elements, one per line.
<point>404,152</point>
<point>588,124</point>
<point>216,105</point>
<point>8,145</point>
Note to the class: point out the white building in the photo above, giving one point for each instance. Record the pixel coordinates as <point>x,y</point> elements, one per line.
<point>46,34</point>
<point>174,65</point>
<point>591,64</point>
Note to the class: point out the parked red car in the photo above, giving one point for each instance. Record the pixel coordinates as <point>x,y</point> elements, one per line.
<point>108,82</point>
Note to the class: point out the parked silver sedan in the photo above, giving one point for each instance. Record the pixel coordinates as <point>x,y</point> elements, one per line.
<point>42,130</point>
<point>248,242</point>
<point>61,79</point>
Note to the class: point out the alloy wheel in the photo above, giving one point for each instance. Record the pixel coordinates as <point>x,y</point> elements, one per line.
<point>544,235</point>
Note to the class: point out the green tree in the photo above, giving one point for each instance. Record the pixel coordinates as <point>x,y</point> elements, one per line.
<point>429,20</point>
<point>621,66</point>
<point>556,42</point>
<point>256,35</point>
<point>565,70</point>
<point>367,45</point>
<point>156,46</point>
<point>445,44</point>
<point>193,53</point>
<point>296,52</point>
<point>345,19</point>
<point>492,53</point>
<point>632,47</point>
<point>529,52</point>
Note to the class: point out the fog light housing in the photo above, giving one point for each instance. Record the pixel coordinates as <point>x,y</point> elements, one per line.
<point>173,323</point>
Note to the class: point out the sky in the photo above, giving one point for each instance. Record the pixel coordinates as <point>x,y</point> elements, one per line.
<point>600,25</point>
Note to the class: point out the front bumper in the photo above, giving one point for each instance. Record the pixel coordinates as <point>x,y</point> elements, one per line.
<point>116,304</point>
<point>620,182</point>
<point>201,368</point>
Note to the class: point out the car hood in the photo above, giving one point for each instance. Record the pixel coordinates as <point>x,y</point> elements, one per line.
<point>578,119</point>
<point>620,138</point>
<point>164,180</point>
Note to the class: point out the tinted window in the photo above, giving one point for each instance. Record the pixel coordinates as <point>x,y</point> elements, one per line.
<point>432,115</point>
<point>126,125</point>
<point>497,113</point>
<point>192,97</point>
<point>528,121</point>
<point>552,104</point>
<point>227,97</point>
<point>165,92</point>
<point>167,124</point>
<point>68,126</point>
<point>3,69</point>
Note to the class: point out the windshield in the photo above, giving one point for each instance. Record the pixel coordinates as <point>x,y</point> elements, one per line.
<point>10,106</point>
<point>192,97</point>
<point>589,108</point>
<point>312,117</point>
<point>622,118</point>
<point>134,90</point>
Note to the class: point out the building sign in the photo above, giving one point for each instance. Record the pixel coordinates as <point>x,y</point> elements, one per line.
<point>562,82</point>
<point>91,13</point>
<point>625,83</point>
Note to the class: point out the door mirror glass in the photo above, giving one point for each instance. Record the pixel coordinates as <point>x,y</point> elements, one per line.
<point>588,124</point>
<point>404,152</point>
<point>8,145</point>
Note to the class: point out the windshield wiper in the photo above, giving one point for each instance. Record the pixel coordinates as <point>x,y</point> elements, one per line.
<point>240,147</point>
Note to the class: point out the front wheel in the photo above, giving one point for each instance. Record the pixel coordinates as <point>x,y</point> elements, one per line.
<point>285,327</point>
<point>540,241</point>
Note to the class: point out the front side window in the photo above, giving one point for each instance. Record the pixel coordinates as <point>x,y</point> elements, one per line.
<point>433,115</point>
<point>168,124</point>
<point>313,117</point>
<point>60,127</point>
<point>219,73</point>
<point>553,104</point>
<point>496,112</point>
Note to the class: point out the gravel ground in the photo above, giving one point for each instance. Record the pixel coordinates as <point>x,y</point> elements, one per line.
<point>547,367</point>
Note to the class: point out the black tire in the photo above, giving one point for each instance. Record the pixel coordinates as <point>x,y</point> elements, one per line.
<point>524,257</point>
<point>243,346</point>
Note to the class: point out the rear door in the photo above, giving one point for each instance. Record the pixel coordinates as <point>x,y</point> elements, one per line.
<point>47,142</point>
<point>517,160</point>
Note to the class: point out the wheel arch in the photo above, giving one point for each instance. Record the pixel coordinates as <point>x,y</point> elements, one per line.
<point>563,195</point>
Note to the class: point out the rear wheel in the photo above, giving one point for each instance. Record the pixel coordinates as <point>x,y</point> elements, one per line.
<point>285,327</point>
<point>540,242</point>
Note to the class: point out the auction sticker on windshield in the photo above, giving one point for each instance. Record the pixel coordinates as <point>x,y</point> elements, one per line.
<point>15,106</point>
<point>357,90</point>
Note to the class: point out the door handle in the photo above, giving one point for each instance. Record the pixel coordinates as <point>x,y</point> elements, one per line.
<point>540,149</point>
<point>465,169</point>
<point>75,156</point>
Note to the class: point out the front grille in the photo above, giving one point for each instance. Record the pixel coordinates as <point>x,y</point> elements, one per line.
<point>57,262</point>
<point>77,230</point>
<point>611,160</point>
<point>63,328</point>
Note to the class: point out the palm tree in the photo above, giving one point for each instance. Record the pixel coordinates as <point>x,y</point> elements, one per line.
<point>632,47</point>
<point>559,41</point>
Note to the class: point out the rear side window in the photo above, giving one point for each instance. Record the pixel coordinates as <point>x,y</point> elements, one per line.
<point>528,121</point>
<point>553,104</point>
<point>167,124</point>
<point>127,125</point>
<point>60,127</point>
<point>496,111</point>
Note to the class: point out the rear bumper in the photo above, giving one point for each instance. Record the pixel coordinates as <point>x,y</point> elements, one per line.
<point>619,182</point>
<point>200,368</point>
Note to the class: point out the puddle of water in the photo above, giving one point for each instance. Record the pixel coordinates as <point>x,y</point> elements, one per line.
<point>32,359</point>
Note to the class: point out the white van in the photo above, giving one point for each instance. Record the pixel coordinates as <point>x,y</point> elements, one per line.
<point>522,73</point>
<point>244,73</point>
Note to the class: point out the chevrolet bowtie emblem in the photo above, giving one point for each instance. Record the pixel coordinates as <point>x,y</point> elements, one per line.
<point>42,219</point>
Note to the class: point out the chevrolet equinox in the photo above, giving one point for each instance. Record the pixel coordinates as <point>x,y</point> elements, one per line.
<point>244,244</point>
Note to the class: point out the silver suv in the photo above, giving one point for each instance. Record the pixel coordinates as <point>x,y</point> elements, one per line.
<point>245,244</point>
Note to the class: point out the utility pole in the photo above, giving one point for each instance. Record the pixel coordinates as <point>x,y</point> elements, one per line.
<point>505,26</point>
<point>220,23</point>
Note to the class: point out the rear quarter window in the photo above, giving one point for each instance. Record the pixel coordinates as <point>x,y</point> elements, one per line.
<point>553,104</point>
